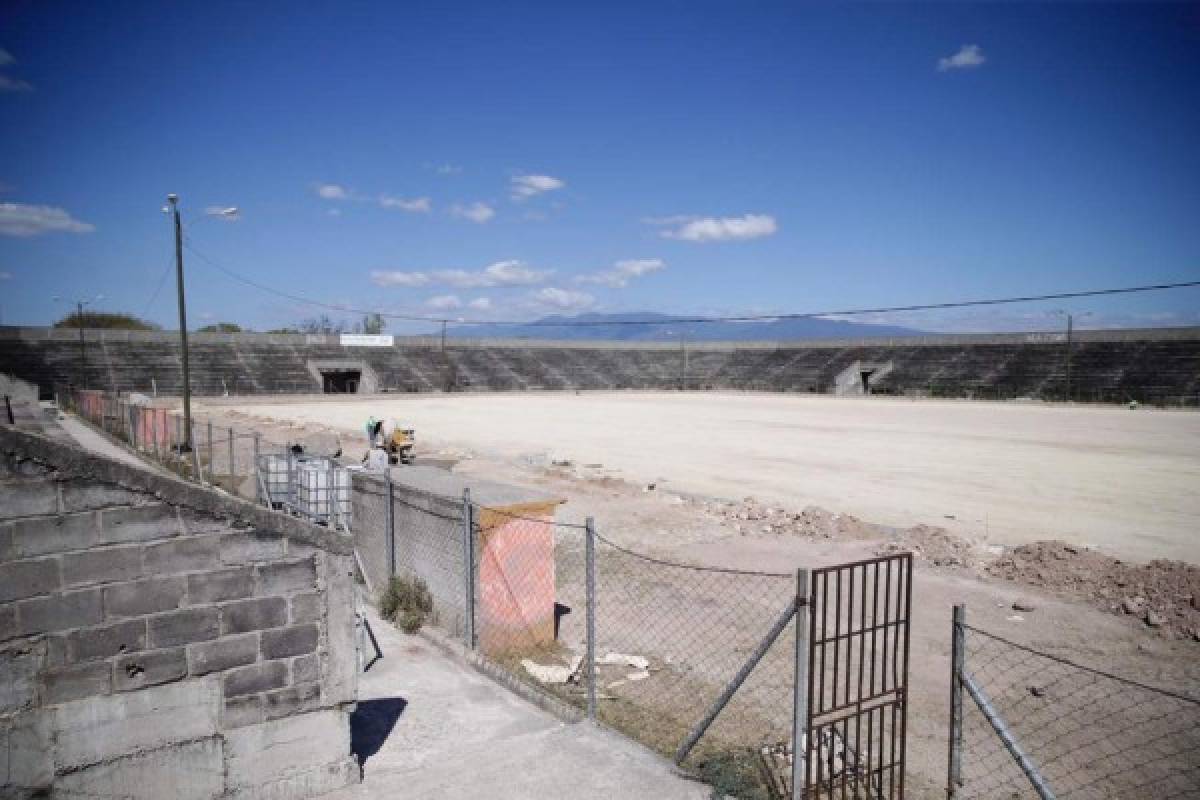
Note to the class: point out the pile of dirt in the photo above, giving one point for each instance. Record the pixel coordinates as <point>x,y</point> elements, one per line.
<point>749,517</point>
<point>1164,595</point>
<point>933,545</point>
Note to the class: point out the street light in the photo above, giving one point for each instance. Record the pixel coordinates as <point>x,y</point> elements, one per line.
<point>1058,312</point>
<point>186,445</point>
<point>79,305</point>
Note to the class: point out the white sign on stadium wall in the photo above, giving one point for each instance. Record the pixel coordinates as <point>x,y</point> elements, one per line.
<point>366,340</point>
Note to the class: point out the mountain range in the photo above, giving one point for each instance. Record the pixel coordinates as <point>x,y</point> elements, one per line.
<point>648,326</point>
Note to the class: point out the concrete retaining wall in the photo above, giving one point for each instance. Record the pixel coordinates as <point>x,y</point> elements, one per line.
<point>161,640</point>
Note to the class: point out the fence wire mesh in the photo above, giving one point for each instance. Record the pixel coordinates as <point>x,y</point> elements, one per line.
<point>1091,735</point>
<point>531,599</point>
<point>670,637</point>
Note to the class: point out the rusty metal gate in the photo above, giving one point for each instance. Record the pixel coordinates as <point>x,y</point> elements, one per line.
<point>857,675</point>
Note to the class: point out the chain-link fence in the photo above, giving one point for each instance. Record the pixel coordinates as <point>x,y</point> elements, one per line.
<point>672,637</point>
<point>696,662</point>
<point>240,462</point>
<point>1028,724</point>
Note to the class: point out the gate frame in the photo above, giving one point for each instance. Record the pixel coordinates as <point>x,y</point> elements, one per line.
<point>896,623</point>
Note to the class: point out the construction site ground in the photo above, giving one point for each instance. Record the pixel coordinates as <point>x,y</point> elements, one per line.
<point>1077,595</point>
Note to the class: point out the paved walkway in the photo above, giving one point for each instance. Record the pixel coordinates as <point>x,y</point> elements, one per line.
<point>96,442</point>
<point>433,727</point>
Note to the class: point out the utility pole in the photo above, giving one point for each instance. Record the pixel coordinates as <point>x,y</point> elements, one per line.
<point>1070,323</point>
<point>443,337</point>
<point>186,446</point>
<point>683,348</point>
<point>82,344</point>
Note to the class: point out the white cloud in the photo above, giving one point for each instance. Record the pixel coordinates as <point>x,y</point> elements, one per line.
<point>8,84</point>
<point>968,56</point>
<point>476,212</point>
<point>19,219</point>
<point>334,212</point>
<point>417,205</point>
<point>564,299</point>
<point>444,302</point>
<point>623,272</point>
<point>393,278</point>
<point>225,213</point>
<point>332,191</point>
<point>481,303</point>
<point>448,169</point>
<point>502,273</point>
<point>525,186</point>
<point>715,229</point>
<point>6,58</point>
<point>7,276</point>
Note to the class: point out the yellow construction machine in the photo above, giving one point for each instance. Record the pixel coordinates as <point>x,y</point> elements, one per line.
<point>399,446</point>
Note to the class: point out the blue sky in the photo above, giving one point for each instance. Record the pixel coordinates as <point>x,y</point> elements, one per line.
<point>505,161</point>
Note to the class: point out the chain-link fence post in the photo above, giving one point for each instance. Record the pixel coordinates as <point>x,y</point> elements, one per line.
<point>232,469</point>
<point>957,647</point>
<point>468,551</point>
<point>291,486</point>
<point>800,690</point>
<point>390,530</point>
<point>590,590</point>
<point>257,483</point>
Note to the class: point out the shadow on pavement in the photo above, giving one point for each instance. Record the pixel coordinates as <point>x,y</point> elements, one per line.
<point>371,723</point>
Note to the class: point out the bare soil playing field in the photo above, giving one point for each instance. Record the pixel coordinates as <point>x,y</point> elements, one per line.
<point>1124,481</point>
<point>1037,472</point>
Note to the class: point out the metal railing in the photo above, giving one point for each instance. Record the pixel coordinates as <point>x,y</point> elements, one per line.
<point>1025,723</point>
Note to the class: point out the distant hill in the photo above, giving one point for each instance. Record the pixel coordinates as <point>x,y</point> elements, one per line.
<point>599,326</point>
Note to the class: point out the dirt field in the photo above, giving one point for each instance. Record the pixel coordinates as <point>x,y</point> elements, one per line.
<point>600,452</point>
<point>1122,481</point>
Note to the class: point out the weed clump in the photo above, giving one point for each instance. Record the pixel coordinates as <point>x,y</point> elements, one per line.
<point>407,603</point>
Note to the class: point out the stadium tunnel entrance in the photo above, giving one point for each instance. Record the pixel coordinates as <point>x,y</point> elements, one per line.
<point>340,381</point>
<point>343,376</point>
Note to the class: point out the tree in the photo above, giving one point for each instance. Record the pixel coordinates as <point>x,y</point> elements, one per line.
<point>99,319</point>
<point>371,323</point>
<point>221,327</point>
<point>321,324</point>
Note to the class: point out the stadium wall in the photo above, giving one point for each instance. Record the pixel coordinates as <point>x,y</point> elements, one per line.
<point>1160,365</point>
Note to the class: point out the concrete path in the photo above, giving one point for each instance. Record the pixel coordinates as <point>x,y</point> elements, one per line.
<point>433,727</point>
<point>96,442</point>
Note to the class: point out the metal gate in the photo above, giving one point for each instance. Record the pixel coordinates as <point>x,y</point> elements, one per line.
<point>857,675</point>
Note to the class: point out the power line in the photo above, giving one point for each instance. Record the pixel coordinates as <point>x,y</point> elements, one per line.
<point>162,279</point>
<point>849,312</point>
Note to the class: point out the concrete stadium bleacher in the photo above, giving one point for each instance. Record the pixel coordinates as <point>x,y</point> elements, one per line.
<point>1154,365</point>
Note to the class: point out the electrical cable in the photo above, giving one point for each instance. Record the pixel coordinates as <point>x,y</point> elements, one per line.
<point>701,320</point>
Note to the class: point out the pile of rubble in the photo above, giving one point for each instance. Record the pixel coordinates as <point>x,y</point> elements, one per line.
<point>933,545</point>
<point>1165,595</point>
<point>749,517</point>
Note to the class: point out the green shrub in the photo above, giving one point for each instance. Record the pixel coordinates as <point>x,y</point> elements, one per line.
<point>411,621</point>
<point>406,603</point>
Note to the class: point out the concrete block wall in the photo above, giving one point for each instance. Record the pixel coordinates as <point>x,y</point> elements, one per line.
<point>428,543</point>
<point>160,640</point>
<point>513,543</point>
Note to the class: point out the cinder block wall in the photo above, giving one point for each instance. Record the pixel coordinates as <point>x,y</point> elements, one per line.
<point>160,640</point>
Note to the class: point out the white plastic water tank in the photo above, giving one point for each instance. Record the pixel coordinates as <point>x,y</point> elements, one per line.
<point>377,460</point>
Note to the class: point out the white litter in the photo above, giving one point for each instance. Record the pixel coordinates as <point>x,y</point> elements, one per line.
<point>546,674</point>
<point>637,676</point>
<point>637,662</point>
